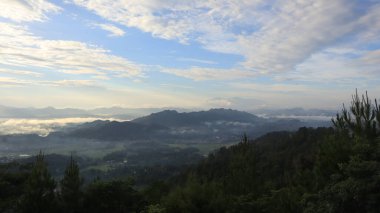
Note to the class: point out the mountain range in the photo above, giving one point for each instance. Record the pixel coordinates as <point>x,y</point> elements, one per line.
<point>132,113</point>
<point>214,124</point>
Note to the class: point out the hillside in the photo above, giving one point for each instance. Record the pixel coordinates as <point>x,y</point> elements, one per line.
<point>117,131</point>
<point>311,170</point>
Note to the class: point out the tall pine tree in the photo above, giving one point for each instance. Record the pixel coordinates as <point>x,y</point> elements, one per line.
<point>39,195</point>
<point>71,194</point>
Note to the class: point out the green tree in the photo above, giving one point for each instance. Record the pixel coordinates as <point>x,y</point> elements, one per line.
<point>154,208</point>
<point>39,195</point>
<point>12,185</point>
<point>361,120</point>
<point>196,197</point>
<point>71,193</point>
<point>116,196</point>
<point>354,186</point>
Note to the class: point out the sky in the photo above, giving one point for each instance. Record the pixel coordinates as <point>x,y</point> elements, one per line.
<point>242,54</point>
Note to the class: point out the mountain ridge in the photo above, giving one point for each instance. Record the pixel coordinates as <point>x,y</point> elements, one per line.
<point>214,124</point>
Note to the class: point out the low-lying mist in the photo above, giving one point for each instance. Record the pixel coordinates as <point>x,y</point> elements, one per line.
<point>42,127</point>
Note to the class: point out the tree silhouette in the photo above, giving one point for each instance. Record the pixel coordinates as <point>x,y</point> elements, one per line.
<point>39,195</point>
<point>355,186</point>
<point>71,194</point>
<point>361,120</point>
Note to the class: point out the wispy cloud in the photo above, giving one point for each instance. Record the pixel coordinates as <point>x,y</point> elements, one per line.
<point>176,86</point>
<point>272,36</point>
<point>277,52</point>
<point>182,21</point>
<point>334,66</point>
<point>70,83</point>
<point>273,87</point>
<point>297,30</point>
<point>12,82</point>
<point>235,103</point>
<point>16,82</point>
<point>112,29</point>
<point>196,60</point>
<point>202,74</point>
<point>83,71</point>
<point>20,72</point>
<point>23,49</point>
<point>27,10</point>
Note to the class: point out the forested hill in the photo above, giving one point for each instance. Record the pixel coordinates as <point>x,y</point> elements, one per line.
<point>272,158</point>
<point>310,170</point>
<point>269,174</point>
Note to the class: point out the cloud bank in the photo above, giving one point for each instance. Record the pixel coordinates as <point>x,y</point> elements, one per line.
<point>38,126</point>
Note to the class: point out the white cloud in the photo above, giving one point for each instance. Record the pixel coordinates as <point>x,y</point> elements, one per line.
<point>82,71</point>
<point>27,10</point>
<point>39,126</point>
<point>371,58</point>
<point>104,77</point>
<point>334,66</point>
<point>20,72</point>
<point>273,36</point>
<point>12,82</point>
<point>112,29</point>
<point>167,19</point>
<point>270,88</point>
<point>201,73</point>
<point>176,86</point>
<point>16,82</point>
<point>21,48</point>
<point>196,60</point>
<point>298,30</point>
<point>70,83</point>
<point>234,103</point>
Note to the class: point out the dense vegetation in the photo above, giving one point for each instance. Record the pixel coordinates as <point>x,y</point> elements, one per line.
<point>311,170</point>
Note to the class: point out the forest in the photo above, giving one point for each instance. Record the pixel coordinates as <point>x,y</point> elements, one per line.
<point>333,169</point>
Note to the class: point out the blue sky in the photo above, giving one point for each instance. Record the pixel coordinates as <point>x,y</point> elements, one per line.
<point>243,54</point>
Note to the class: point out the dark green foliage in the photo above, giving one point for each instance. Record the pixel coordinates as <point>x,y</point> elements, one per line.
<point>154,208</point>
<point>331,153</point>
<point>196,197</point>
<point>154,192</point>
<point>39,195</point>
<point>362,120</point>
<point>353,184</point>
<point>12,185</point>
<point>71,192</point>
<point>116,196</point>
<point>147,163</point>
<point>271,174</point>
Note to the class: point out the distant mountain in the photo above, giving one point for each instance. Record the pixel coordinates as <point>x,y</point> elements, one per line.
<point>133,113</point>
<point>51,112</point>
<point>48,112</point>
<point>212,125</point>
<point>172,118</point>
<point>295,112</point>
